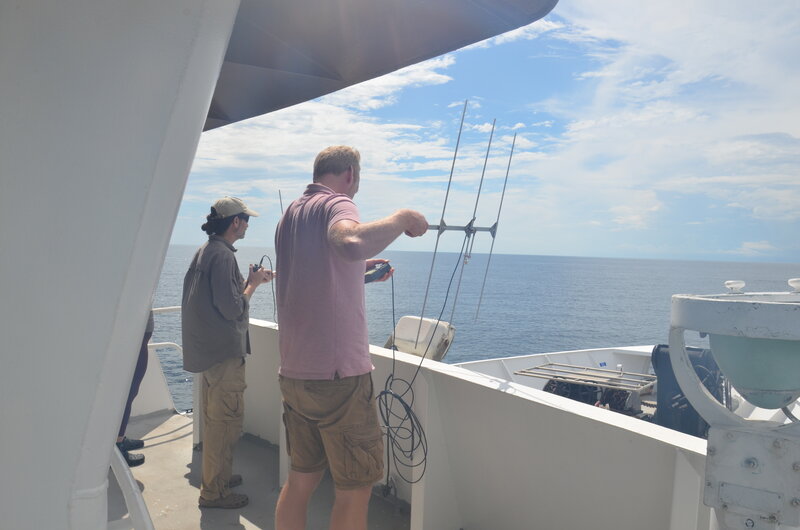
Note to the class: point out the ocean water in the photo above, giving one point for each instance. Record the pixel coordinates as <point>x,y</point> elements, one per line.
<point>531,304</point>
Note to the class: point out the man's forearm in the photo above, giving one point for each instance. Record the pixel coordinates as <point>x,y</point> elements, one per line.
<point>360,241</point>
<point>248,292</point>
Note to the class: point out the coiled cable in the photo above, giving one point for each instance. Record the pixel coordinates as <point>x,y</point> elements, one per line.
<point>407,445</point>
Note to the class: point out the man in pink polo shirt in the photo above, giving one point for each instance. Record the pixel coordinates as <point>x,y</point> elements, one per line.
<point>331,419</point>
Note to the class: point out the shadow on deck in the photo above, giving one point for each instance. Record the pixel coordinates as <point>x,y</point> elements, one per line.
<point>170,482</point>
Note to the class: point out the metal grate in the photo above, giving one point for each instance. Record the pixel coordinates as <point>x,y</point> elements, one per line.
<point>601,377</point>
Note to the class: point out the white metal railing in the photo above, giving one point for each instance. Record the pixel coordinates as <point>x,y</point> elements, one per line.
<point>173,345</point>
<point>154,392</point>
<point>168,309</point>
<point>139,516</point>
<point>197,431</point>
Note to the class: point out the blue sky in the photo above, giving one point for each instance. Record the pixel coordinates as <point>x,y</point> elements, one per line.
<point>667,130</point>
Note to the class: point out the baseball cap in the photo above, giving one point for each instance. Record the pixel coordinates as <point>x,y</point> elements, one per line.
<point>230,206</point>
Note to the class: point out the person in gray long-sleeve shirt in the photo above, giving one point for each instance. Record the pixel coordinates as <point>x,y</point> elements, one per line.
<point>215,319</point>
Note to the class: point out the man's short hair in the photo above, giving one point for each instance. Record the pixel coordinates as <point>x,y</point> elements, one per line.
<point>336,159</point>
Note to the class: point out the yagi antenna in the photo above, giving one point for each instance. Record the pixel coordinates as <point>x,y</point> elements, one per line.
<point>441,223</point>
<point>469,229</point>
<point>471,235</point>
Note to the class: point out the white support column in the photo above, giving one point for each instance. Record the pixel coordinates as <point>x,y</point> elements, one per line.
<point>103,105</point>
<point>687,494</point>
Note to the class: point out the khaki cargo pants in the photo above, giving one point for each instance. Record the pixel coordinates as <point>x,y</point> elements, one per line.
<point>223,412</point>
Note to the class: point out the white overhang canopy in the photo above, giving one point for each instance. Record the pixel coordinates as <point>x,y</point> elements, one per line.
<point>286,52</point>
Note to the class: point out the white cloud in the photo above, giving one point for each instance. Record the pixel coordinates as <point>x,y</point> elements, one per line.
<point>683,98</point>
<point>522,142</point>
<point>753,248</point>
<point>481,127</point>
<point>284,142</point>
<point>257,158</point>
<point>678,101</point>
<point>635,213</point>
<point>529,32</point>
<point>472,104</point>
<point>769,204</point>
<point>382,91</point>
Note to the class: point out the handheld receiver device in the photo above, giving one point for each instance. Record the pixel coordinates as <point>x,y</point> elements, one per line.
<point>376,273</point>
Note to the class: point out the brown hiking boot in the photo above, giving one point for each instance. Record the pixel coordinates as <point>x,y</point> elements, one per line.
<point>233,500</point>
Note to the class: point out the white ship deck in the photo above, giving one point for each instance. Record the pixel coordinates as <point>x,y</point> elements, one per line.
<point>170,482</point>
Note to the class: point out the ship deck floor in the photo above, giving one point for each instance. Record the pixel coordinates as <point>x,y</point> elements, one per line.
<point>170,481</point>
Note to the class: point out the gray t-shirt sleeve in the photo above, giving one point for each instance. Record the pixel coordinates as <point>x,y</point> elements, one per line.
<point>227,289</point>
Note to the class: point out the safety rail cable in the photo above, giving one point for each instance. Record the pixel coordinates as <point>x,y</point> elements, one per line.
<point>168,309</point>
<point>157,345</point>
